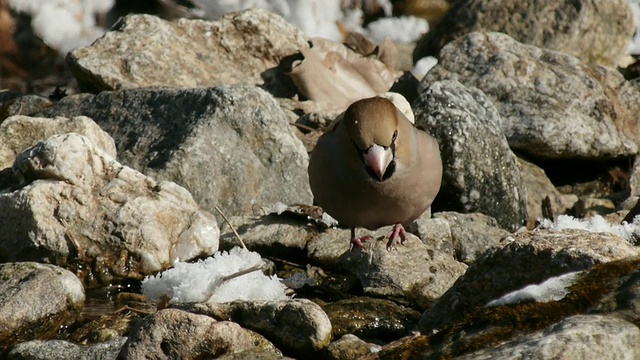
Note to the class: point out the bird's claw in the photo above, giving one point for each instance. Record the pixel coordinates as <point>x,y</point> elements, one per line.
<point>397,232</point>
<point>359,242</point>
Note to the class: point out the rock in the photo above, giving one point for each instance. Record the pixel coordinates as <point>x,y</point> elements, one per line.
<point>298,326</point>
<point>18,133</point>
<point>537,90</point>
<point>485,330</point>
<point>538,188</point>
<point>254,354</point>
<point>270,235</point>
<point>480,173</point>
<point>370,318</point>
<point>415,271</point>
<point>75,206</point>
<point>233,140</point>
<point>110,326</point>
<point>143,51</point>
<point>568,26</point>
<point>525,258</point>
<point>60,349</point>
<point>327,246</point>
<point>589,207</point>
<point>35,301</point>
<point>607,338</point>
<point>435,233</point>
<point>634,177</point>
<point>20,104</point>
<point>177,334</point>
<point>349,347</point>
<point>624,300</point>
<point>472,234</point>
<point>628,204</point>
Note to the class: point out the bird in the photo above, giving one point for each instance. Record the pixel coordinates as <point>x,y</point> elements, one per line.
<point>372,168</point>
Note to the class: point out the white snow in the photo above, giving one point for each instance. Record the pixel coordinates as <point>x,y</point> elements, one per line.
<point>67,24</point>
<point>423,66</point>
<point>596,224</point>
<point>320,18</point>
<point>316,17</point>
<point>64,24</point>
<point>553,289</point>
<point>202,281</point>
<point>401,30</point>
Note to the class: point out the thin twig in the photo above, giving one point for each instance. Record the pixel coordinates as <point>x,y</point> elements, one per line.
<point>231,226</point>
<point>304,127</point>
<point>129,308</point>
<point>285,262</point>
<point>241,272</point>
<point>212,288</point>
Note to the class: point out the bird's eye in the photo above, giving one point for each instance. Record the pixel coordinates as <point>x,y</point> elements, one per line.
<point>395,135</point>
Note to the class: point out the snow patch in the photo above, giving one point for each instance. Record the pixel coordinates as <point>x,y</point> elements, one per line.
<point>423,66</point>
<point>597,224</point>
<point>203,281</point>
<point>401,30</point>
<point>553,289</point>
<point>64,24</point>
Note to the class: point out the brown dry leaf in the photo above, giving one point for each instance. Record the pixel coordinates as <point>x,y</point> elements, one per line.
<point>334,76</point>
<point>7,44</point>
<point>8,48</point>
<point>360,43</point>
<point>430,10</point>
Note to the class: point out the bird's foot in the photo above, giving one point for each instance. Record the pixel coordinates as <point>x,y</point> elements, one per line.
<point>359,242</point>
<point>397,232</point>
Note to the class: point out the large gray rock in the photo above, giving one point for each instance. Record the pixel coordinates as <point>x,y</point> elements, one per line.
<point>480,172</point>
<point>18,133</point>
<point>74,205</point>
<point>415,271</point>
<point>551,104</point>
<point>144,50</point>
<point>624,300</point>
<point>349,347</point>
<point>35,301</point>
<point>576,337</point>
<point>472,234</point>
<point>327,246</point>
<point>298,326</point>
<point>370,318</point>
<point>634,176</point>
<point>548,322</point>
<point>270,235</point>
<point>574,27</point>
<point>435,233</point>
<point>524,259</point>
<point>538,188</point>
<point>230,146</point>
<point>177,334</point>
<point>60,349</point>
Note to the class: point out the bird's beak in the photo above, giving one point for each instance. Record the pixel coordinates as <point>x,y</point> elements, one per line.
<point>378,158</point>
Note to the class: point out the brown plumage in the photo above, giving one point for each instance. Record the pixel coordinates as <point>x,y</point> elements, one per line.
<point>372,168</point>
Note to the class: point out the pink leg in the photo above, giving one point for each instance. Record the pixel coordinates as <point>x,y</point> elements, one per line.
<point>359,242</point>
<point>397,232</point>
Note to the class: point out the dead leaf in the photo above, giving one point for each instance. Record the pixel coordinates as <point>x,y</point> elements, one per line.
<point>7,44</point>
<point>334,76</point>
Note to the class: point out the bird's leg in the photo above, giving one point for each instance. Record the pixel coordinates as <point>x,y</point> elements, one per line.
<point>397,232</point>
<point>358,241</point>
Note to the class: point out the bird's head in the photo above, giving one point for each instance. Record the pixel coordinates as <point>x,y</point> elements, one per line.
<point>372,125</point>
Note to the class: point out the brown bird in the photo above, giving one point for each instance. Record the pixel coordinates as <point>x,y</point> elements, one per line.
<point>372,168</point>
